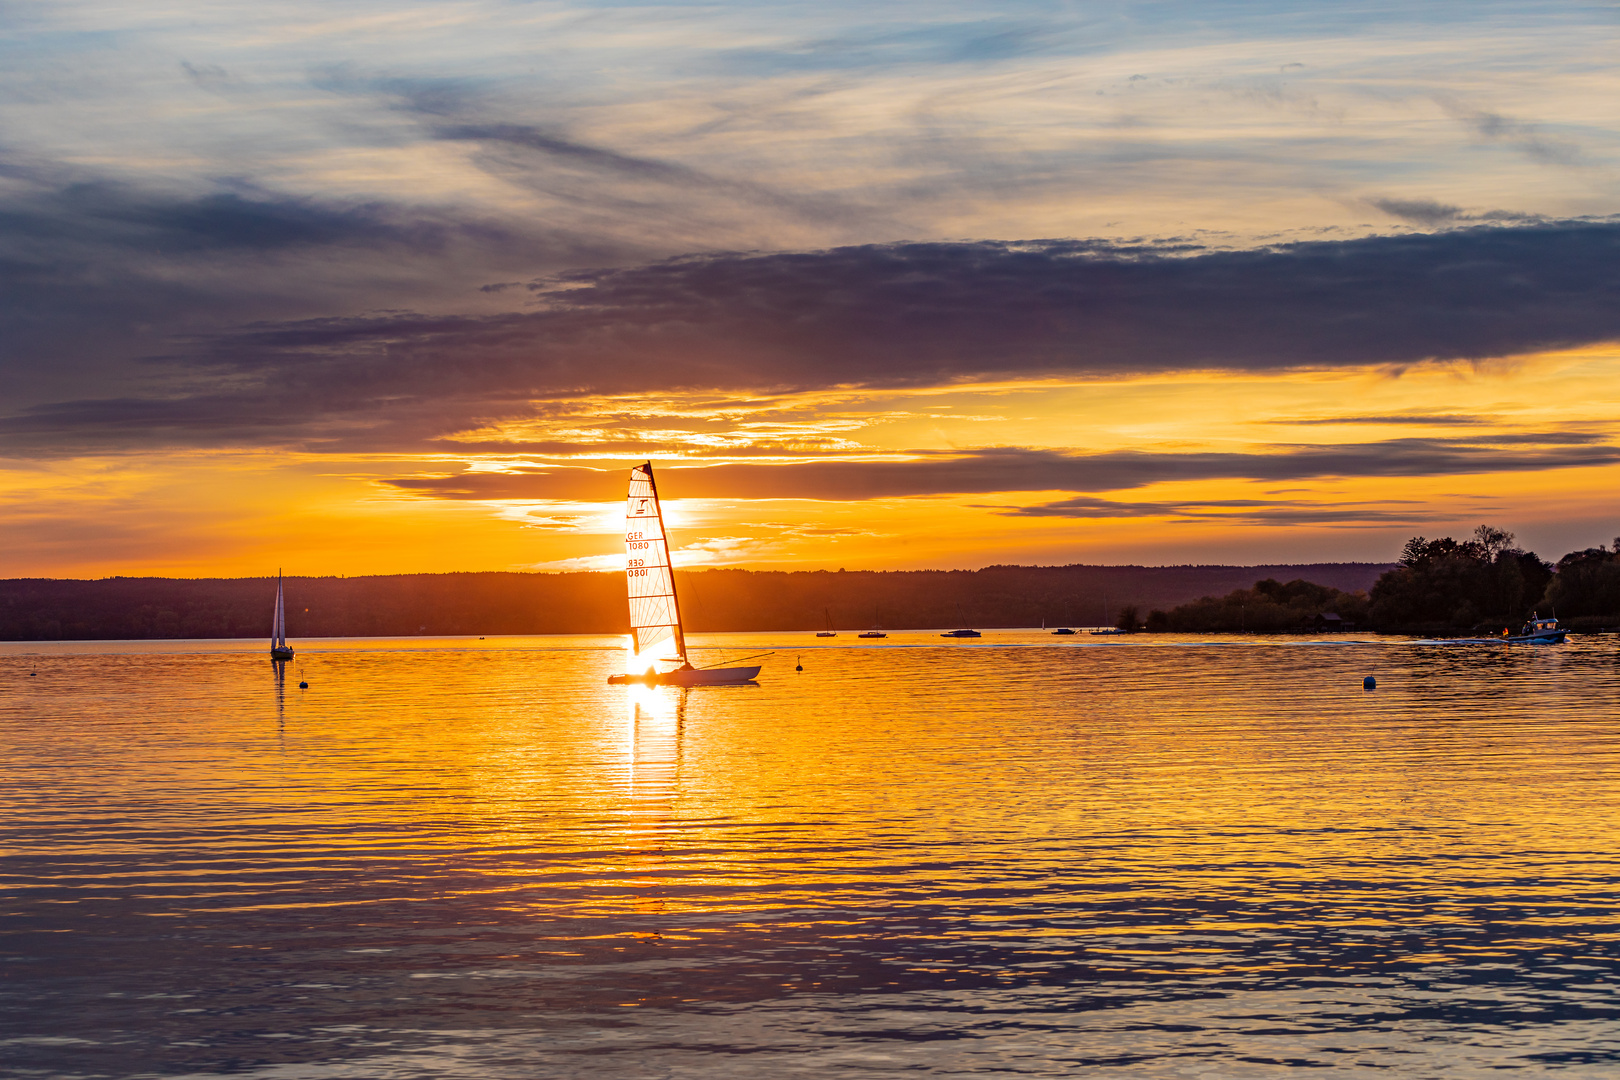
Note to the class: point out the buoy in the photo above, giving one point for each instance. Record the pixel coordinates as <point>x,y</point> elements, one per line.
<point>303,686</point>
<point>1369,683</point>
<point>799,666</point>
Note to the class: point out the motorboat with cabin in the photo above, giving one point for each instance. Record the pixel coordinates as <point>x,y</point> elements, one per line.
<point>1537,631</point>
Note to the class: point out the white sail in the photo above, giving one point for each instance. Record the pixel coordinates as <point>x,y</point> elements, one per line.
<point>278,627</point>
<point>655,613</point>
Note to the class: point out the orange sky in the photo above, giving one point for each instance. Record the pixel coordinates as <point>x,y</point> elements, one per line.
<point>246,512</point>
<point>408,290</point>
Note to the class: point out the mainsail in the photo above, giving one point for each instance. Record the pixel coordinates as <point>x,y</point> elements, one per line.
<point>655,614</point>
<point>278,625</point>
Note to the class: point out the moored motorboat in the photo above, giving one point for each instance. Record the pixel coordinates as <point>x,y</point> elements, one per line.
<point>961,633</point>
<point>1063,630</point>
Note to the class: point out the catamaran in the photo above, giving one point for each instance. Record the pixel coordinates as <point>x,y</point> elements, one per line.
<point>279,649</point>
<point>655,610</point>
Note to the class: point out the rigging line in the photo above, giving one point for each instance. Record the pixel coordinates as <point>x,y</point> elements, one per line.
<point>739,659</point>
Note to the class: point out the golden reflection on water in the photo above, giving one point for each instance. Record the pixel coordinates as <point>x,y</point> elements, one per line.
<point>1173,846</point>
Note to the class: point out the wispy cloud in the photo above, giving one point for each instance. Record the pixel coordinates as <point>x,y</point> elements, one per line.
<point>1012,469</point>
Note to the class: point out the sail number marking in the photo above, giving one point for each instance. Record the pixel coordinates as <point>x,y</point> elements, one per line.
<point>638,571</point>
<point>638,545</point>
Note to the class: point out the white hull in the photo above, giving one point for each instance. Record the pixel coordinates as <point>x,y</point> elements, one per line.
<point>725,676</point>
<point>1550,637</point>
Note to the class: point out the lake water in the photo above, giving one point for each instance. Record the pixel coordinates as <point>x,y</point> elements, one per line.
<point>1157,857</point>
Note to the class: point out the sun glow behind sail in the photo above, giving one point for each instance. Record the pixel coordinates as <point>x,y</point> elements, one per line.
<point>655,622</point>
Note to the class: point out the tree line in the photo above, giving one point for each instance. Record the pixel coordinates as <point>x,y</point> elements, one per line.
<point>1482,584</point>
<point>548,603</point>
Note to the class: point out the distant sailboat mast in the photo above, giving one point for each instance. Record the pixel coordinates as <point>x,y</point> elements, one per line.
<point>655,610</point>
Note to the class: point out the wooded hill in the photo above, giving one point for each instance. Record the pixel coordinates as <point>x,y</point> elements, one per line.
<point>35,609</point>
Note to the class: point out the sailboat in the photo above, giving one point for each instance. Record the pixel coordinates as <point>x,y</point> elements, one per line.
<point>877,628</point>
<point>279,649</point>
<point>655,610</point>
<point>829,632</point>
<point>960,633</point>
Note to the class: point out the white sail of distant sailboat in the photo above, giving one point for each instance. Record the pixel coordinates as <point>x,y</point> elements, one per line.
<point>278,626</point>
<point>656,631</point>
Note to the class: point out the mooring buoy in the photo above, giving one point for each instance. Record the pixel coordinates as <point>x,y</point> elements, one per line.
<point>1369,683</point>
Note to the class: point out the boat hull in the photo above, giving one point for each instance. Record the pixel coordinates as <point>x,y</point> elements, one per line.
<point>281,654</point>
<point>1547,637</point>
<point>960,633</point>
<point>732,676</point>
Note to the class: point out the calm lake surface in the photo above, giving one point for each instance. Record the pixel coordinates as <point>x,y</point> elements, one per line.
<point>1022,856</point>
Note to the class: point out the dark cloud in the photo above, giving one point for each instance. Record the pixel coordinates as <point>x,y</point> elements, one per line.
<point>207,76</point>
<point>1235,511</point>
<point>1017,469</point>
<point>894,315</point>
<point>1427,419</point>
<point>1420,211</point>
<point>555,145</point>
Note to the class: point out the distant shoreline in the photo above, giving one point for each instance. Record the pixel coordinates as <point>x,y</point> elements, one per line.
<point>713,600</point>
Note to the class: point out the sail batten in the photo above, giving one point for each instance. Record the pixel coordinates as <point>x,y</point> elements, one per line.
<point>655,611</point>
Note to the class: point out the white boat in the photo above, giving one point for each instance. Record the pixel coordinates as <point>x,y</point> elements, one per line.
<point>1535,631</point>
<point>279,649</point>
<point>655,611</point>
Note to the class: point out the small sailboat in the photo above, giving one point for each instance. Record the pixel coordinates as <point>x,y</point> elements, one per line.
<point>655,610</point>
<point>961,633</point>
<point>877,627</point>
<point>279,649</point>
<point>829,632</point>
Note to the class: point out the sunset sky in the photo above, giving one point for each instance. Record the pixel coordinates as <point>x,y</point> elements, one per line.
<point>352,288</point>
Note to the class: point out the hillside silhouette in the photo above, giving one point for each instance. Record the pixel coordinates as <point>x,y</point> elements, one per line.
<point>36,609</point>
